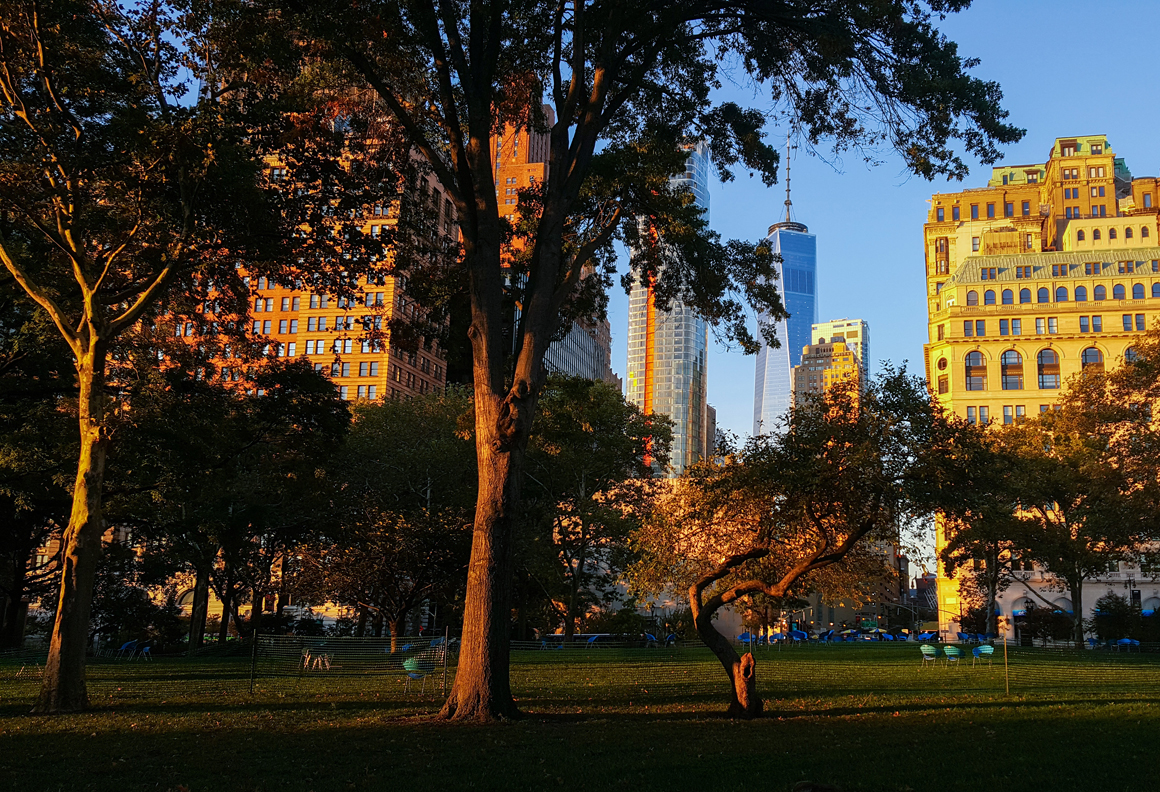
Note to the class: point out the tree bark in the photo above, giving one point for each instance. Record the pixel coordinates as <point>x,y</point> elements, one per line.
<point>1077,611</point>
<point>360,628</point>
<point>482,689</point>
<point>63,689</point>
<point>742,671</point>
<point>396,627</point>
<point>199,609</point>
<point>992,593</point>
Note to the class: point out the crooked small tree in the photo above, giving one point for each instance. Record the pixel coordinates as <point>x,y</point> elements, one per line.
<point>628,85</point>
<point>799,509</point>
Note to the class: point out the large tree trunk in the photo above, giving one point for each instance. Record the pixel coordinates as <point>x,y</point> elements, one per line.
<point>64,689</point>
<point>360,627</point>
<point>199,610</point>
<point>396,626</point>
<point>992,593</point>
<point>742,671</point>
<point>1077,611</point>
<point>482,689</point>
<point>227,602</point>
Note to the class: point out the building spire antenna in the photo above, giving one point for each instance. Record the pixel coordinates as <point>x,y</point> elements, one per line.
<point>788,202</point>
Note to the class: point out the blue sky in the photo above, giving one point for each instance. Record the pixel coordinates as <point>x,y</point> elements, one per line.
<point>1066,68</point>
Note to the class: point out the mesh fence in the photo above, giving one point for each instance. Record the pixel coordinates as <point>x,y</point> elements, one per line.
<point>605,676</point>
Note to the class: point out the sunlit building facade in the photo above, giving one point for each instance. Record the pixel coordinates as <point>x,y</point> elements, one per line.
<point>668,350</point>
<point>1048,270</point>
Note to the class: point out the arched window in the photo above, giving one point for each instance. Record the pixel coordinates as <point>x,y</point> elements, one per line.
<point>1061,294</point>
<point>1137,291</point>
<point>1118,292</point>
<point>976,371</point>
<point>1131,355</point>
<point>1092,358</point>
<point>1100,293</point>
<point>1024,296</point>
<point>1012,370</point>
<point>989,297</point>
<point>1008,297</point>
<point>1079,236</point>
<point>1081,293</point>
<point>972,297</point>
<point>1048,363</point>
<point>1111,233</point>
<point>1095,234</point>
<point>1156,289</point>
<point>1144,231</point>
<point>1128,232</point>
<point>1043,295</point>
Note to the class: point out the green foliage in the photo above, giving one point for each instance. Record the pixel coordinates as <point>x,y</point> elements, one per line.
<point>1116,617</point>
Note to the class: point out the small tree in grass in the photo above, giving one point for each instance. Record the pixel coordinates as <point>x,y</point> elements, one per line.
<point>800,509</point>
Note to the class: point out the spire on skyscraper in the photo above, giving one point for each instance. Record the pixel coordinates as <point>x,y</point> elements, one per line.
<point>788,223</point>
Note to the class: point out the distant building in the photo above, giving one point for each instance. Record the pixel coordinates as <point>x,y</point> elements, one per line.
<point>823,366</point>
<point>855,333</point>
<point>668,350</point>
<point>797,279</point>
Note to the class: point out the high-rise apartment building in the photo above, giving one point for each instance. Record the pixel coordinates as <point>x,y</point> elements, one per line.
<point>1050,269</point>
<point>854,333</point>
<point>797,272</point>
<point>668,350</point>
<point>521,162</point>
<point>825,365</point>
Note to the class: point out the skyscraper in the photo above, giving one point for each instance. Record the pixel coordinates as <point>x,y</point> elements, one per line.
<point>668,351</point>
<point>797,277</point>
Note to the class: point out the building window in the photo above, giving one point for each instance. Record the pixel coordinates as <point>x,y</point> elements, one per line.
<point>1097,324</point>
<point>1111,233</point>
<point>1130,355</point>
<point>1140,324</point>
<point>1061,294</point>
<point>990,211</point>
<point>1100,293</point>
<point>314,301</point>
<point>976,371</point>
<point>1156,289</point>
<point>1083,327</point>
<point>1016,327</point>
<point>939,214</point>
<point>1009,209</point>
<point>1092,358</point>
<point>1128,232</point>
<point>1024,296</point>
<point>1048,366</point>
<point>974,211</point>
<point>971,416</point>
<point>1043,295</point>
<point>362,369</point>
<point>1008,415</point>
<point>1137,291</point>
<point>1079,236</point>
<point>981,328</point>
<point>1095,233</point>
<point>943,384</point>
<point>1012,370</point>
<point>1144,231</point>
<point>1081,293</point>
<point>975,244</point>
<point>267,327</point>
<point>954,213</point>
<point>972,298</point>
<point>968,328</point>
<point>1118,292</point>
<point>989,297</point>
<point>1004,327</point>
<point>282,323</point>
<point>1008,297</point>
<point>1052,324</point>
<point>344,393</point>
<point>1127,322</point>
<point>1040,325</point>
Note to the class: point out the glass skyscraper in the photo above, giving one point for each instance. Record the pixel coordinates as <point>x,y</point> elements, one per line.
<point>797,277</point>
<point>668,351</point>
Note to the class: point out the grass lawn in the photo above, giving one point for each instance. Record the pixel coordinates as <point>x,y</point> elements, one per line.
<point>862,718</point>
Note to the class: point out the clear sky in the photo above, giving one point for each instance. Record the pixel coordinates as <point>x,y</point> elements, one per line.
<point>1066,68</point>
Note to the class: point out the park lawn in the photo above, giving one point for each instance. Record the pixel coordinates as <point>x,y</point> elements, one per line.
<point>861,720</point>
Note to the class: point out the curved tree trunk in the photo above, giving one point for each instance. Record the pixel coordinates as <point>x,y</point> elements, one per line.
<point>742,671</point>
<point>396,625</point>
<point>63,689</point>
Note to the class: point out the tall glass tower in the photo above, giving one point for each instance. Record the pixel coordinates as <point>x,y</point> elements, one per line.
<point>668,351</point>
<point>797,276</point>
